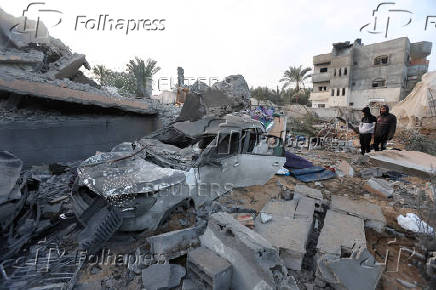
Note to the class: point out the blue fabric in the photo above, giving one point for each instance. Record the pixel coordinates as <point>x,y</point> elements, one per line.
<point>296,162</point>
<point>312,174</point>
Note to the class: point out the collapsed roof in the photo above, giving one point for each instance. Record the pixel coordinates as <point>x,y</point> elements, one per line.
<point>39,65</point>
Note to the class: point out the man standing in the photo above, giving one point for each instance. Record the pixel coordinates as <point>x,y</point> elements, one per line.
<point>384,129</point>
<point>366,129</point>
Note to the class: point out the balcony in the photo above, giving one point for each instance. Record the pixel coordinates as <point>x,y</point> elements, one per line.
<point>321,77</point>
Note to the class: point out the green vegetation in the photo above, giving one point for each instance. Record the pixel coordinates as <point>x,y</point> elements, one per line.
<point>133,81</point>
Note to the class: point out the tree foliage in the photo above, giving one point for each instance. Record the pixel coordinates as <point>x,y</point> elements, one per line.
<point>295,76</point>
<point>131,82</point>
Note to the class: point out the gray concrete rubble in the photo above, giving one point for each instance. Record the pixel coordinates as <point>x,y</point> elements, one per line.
<point>174,244</point>
<point>10,169</point>
<point>304,190</point>
<point>255,261</point>
<point>208,270</point>
<point>359,271</point>
<point>289,228</point>
<point>368,173</point>
<point>380,187</point>
<point>341,232</point>
<point>18,33</point>
<point>67,67</point>
<point>162,276</point>
<point>345,169</point>
<point>224,97</point>
<point>369,212</point>
<point>409,162</point>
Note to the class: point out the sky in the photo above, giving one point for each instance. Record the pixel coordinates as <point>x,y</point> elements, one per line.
<point>213,39</point>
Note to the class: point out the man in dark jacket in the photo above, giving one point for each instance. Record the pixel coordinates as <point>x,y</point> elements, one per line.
<point>384,129</point>
<point>366,130</point>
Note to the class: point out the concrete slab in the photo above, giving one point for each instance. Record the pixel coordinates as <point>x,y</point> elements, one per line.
<point>409,162</point>
<point>305,190</point>
<point>369,212</point>
<point>288,232</point>
<point>359,272</point>
<point>281,208</point>
<point>256,263</point>
<point>380,187</point>
<point>162,276</point>
<point>340,232</point>
<point>208,270</point>
<point>289,236</point>
<point>174,244</point>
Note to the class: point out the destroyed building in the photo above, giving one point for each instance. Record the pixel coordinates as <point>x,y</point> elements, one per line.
<point>51,112</point>
<point>357,75</point>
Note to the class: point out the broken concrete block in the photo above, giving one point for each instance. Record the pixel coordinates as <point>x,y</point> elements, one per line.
<point>162,276</point>
<point>67,66</point>
<point>256,263</point>
<point>380,187</point>
<point>305,190</point>
<point>369,212</point>
<point>345,169</point>
<point>340,233</point>
<point>305,208</point>
<point>208,270</point>
<point>289,228</point>
<point>367,173</point>
<point>289,236</point>
<point>176,243</point>
<point>408,162</point>
<point>360,271</point>
<point>280,208</point>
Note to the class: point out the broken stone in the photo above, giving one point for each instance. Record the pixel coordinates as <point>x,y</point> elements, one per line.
<point>162,276</point>
<point>359,271</point>
<point>289,229</point>
<point>380,187</point>
<point>369,212</point>
<point>256,263</point>
<point>208,270</point>
<point>174,244</point>
<point>408,162</point>
<point>340,232</point>
<point>367,173</point>
<point>305,190</point>
<point>67,66</point>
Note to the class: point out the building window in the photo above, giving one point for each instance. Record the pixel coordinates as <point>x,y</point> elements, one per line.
<point>337,92</point>
<point>351,104</point>
<point>380,60</point>
<point>334,73</point>
<point>321,105</point>
<point>333,92</point>
<point>345,71</point>
<point>325,89</point>
<point>379,83</point>
<point>323,69</point>
<point>340,72</point>
<point>343,91</point>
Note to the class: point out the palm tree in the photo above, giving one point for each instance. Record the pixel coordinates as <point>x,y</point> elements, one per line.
<point>296,76</point>
<point>142,71</point>
<point>100,72</point>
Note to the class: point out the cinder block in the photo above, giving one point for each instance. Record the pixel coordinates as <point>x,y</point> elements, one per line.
<point>208,270</point>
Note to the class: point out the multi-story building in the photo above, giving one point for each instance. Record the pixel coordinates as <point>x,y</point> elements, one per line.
<point>357,75</point>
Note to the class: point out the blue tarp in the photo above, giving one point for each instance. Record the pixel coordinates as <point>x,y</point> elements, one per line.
<point>296,162</point>
<point>312,174</point>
